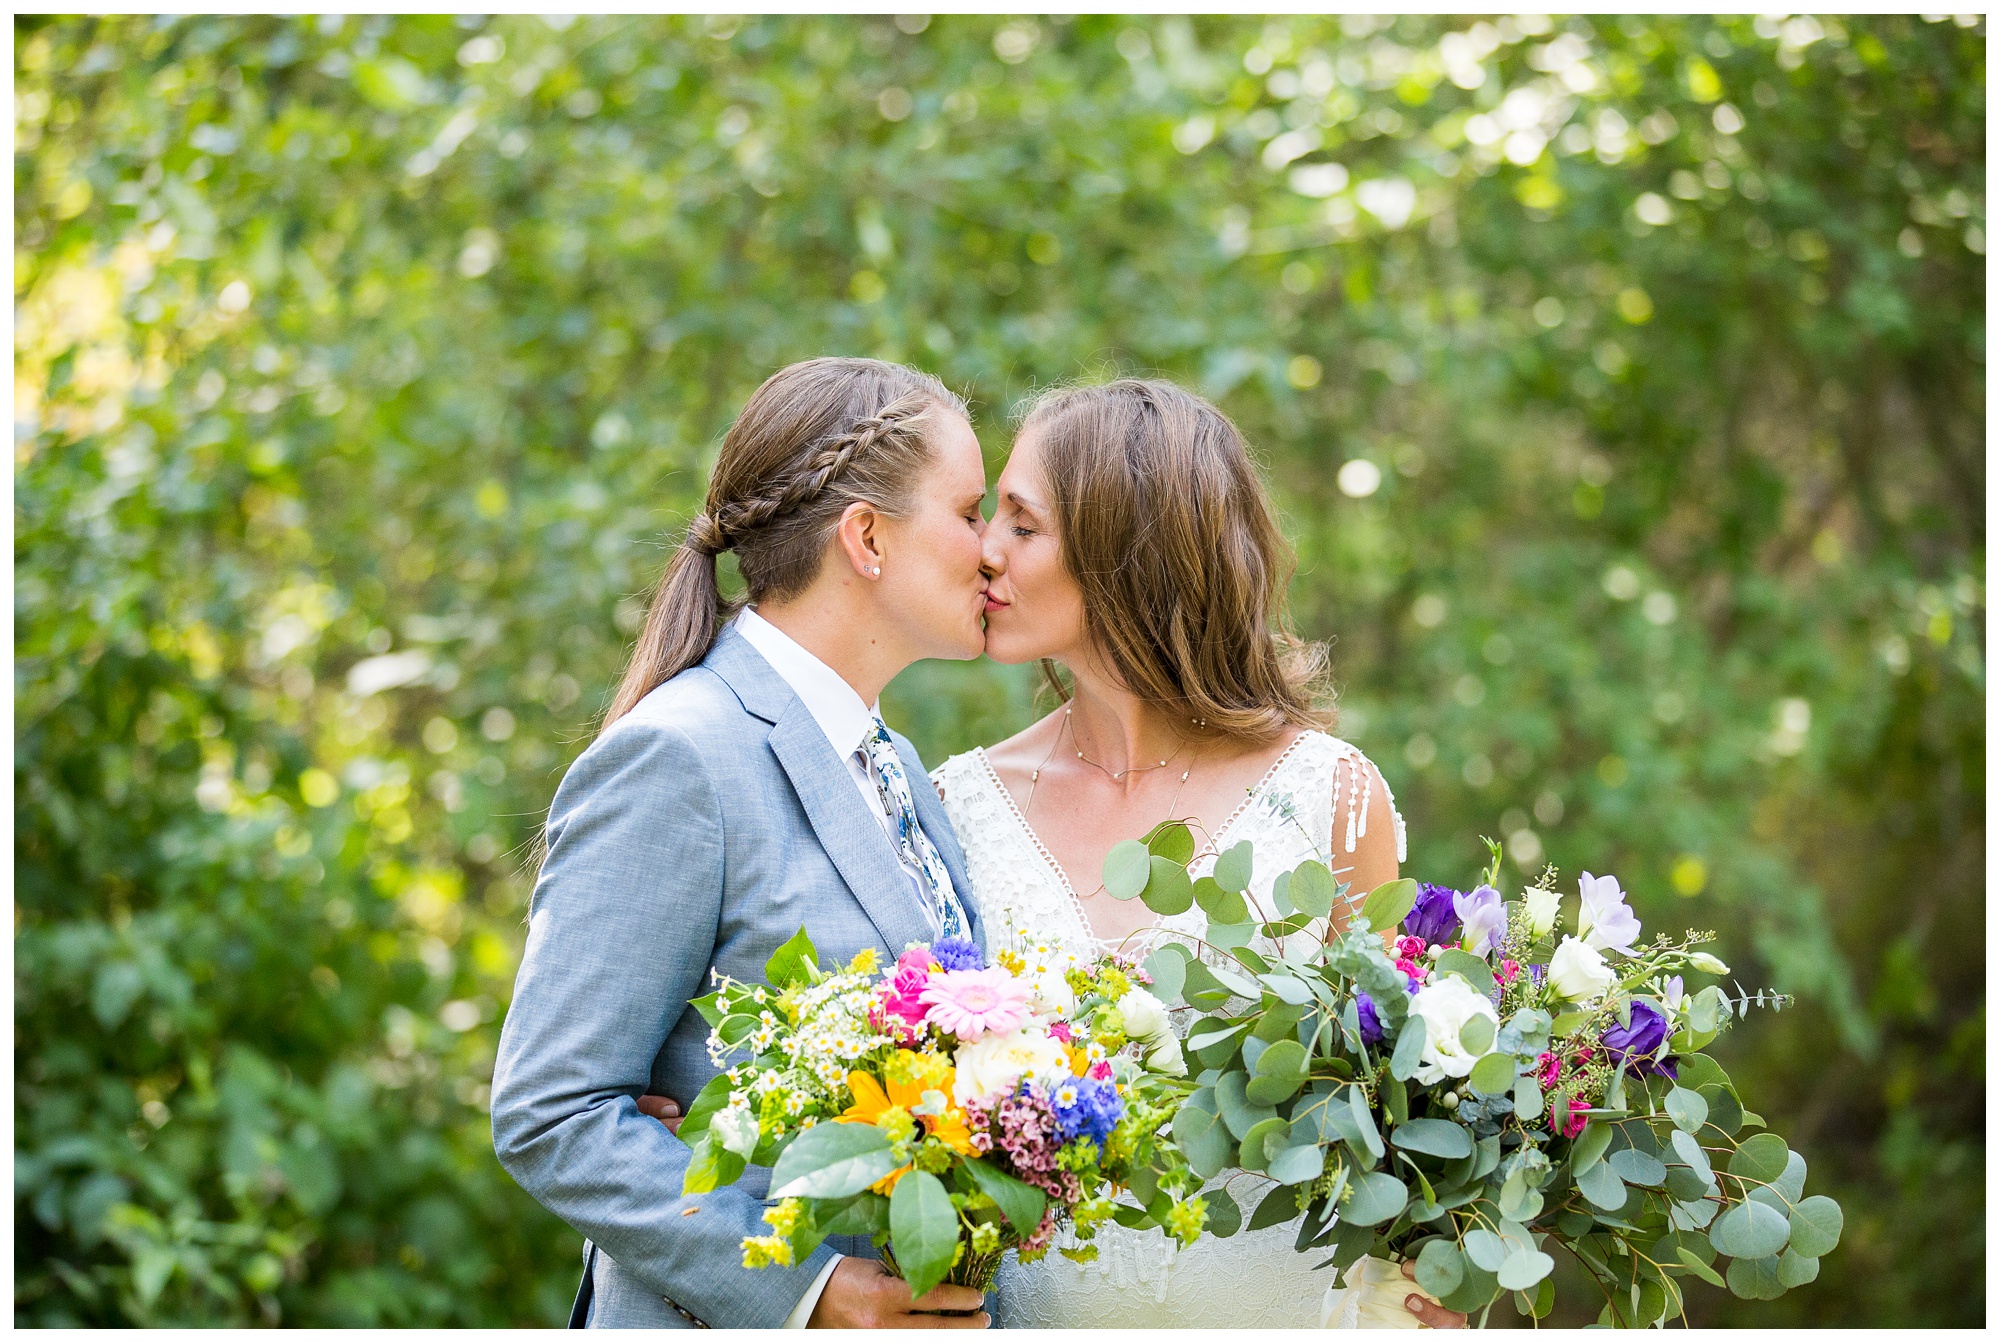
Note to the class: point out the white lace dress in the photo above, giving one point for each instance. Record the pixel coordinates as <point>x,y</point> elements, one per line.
<point>1312,803</point>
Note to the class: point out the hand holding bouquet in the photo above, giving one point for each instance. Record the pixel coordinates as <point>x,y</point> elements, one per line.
<point>1477,1086</point>
<point>946,1108</point>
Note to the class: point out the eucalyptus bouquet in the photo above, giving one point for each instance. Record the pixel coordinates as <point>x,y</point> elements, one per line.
<point>949,1109</point>
<point>1469,1082</point>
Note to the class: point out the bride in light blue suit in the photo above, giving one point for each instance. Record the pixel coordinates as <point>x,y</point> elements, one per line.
<point>744,785</point>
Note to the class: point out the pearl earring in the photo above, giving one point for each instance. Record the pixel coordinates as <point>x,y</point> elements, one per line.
<point>876,571</point>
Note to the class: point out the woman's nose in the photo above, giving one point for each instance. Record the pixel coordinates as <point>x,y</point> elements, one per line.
<point>992,560</point>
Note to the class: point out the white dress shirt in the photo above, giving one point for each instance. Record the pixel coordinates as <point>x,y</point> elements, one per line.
<point>845,720</point>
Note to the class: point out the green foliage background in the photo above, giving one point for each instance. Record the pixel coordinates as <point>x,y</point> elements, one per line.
<point>1621,382</point>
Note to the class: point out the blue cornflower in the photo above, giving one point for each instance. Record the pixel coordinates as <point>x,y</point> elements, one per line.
<point>1088,1106</point>
<point>958,953</point>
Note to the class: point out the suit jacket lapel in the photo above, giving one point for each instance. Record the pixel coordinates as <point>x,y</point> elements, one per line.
<point>931,816</point>
<point>847,830</point>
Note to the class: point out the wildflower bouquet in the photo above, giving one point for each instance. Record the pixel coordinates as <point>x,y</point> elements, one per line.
<point>1463,1081</point>
<point>947,1108</point>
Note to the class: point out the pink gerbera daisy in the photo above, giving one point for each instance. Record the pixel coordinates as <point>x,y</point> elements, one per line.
<point>972,1003</point>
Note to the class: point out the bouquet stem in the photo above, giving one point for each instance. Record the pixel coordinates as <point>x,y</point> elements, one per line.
<point>972,1270</point>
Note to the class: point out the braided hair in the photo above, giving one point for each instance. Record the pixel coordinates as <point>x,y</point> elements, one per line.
<point>816,437</point>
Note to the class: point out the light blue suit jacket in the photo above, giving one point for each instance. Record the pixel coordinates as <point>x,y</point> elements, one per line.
<point>702,830</point>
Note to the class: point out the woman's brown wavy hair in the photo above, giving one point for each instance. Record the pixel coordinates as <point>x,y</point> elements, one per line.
<point>1166,526</point>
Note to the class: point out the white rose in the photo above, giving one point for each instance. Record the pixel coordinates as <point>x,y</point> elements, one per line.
<point>1145,1016</point>
<point>1543,907</point>
<point>1166,1058</point>
<point>1445,1005</point>
<point>1049,994</point>
<point>994,1063</point>
<point>1577,972</point>
<point>735,1128</point>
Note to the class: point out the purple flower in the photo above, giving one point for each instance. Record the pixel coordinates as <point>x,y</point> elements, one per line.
<point>1605,921</point>
<point>959,953</point>
<point>1484,916</point>
<point>1371,1020</point>
<point>1641,1046</point>
<point>1434,917</point>
<point>1087,1106</point>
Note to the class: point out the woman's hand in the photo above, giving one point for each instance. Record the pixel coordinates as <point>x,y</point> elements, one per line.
<point>662,1108</point>
<point>1426,1310</point>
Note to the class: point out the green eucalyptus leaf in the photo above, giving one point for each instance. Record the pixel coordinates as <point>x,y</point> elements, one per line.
<point>1760,1160</point>
<point>1477,1034</point>
<point>1233,867</point>
<point>1127,869</point>
<point>1493,1075</point>
<point>1440,1267</point>
<point>1602,1186</point>
<point>1816,1224</point>
<point>1523,1269</point>
<point>1168,890</point>
<point>1433,1137</point>
<point>1373,1197</point>
<point>1636,1167</point>
<point>1169,974</point>
<point>1296,1165</point>
<point>1796,1270</point>
<point>1687,1109</point>
<point>1387,905</point>
<point>1409,1052</point>
<point>1173,841</point>
<point>1756,1279</point>
<point>1590,1146</point>
<point>1749,1230</point>
<point>1468,967</point>
<point>1225,1216</point>
<point>1280,1205</point>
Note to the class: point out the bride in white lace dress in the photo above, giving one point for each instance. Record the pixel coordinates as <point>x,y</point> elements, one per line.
<point>1133,545</point>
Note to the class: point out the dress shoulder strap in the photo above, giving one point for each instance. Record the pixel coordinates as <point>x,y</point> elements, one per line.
<point>1351,775</point>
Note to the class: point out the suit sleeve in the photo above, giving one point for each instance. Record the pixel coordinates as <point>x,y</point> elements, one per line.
<point>621,934</point>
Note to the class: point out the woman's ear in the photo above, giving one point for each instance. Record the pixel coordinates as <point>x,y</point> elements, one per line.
<point>858,539</point>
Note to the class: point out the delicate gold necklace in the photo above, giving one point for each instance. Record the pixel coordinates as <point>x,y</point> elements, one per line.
<point>1035,776</point>
<point>1115,774</point>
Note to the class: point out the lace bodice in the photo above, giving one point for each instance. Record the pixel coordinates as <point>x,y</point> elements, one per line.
<point>1312,803</point>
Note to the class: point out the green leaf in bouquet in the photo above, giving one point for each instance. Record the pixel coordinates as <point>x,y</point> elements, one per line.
<point>832,1161</point>
<point>711,1098</point>
<point>1614,1095</point>
<point>923,1227</point>
<point>1253,1050</point>
<point>1202,1039</point>
<point>1225,1217</point>
<point>1725,1112</point>
<point>1311,889</point>
<point>1751,1119</point>
<point>1636,1167</point>
<point>1235,983</point>
<point>710,1007</point>
<point>1143,1184</point>
<point>1792,1184</point>
<point>1440,1267</point>
<point>1281,893</point>
<point>1395,1099</point>
<point>1708,1010</point>
<point>711,1167</point>
<point>1756,1279</point>
<point>1477,1034</point>
<point>1020,1203</point>
<point>1280,1205</point>
<point>1688,1109</point>
<point>1229,936</point>
<point>736,1028</point>
<point>1602,1185</point>
<point>793,963</point>
<point>1173,841</point>
<point>1691,1155</point>
<point>1750,1230</point>
<point>1289,988</point>
<point>1691,1214</point>
<point>1541,1304</point>
<point>1433,1137</point>
<point>1296,1165</point>
<point>1470,968</point>
<point>1760,1160</point>
<point>1169,973</point>
<point>1127,869</point>
<point>1494,1074</point>
<point>1373,1198</point>
<point>1699,1070</point>
<point>1695,1266</point>
<point>1475,1291</point>
<point>1486,1249</point>
<point>1796,1270</point>
<point>866,1214</point>
<point>1233,867</point>
<point>1409,1051</point>
<point>1526,1032</point>
<point>1527,1098</point>
<point>1201,989</point>
<point>1364,1120</point>
<point>1387,905</point>
<point>1206,893</point>
<point>1569,1023</point>
<point>1574,1224</point>
<point>1518,1201</point>
<point>1203,1138</point>
<point>1685,1185</point>
<point>1250,960</point>
<point>1138,1219</point>
<point>1239,1112</point>
<point>1168,890</point>
<point>1254,1151</point>
<point>1280,1072</point>
<point>1523,1269</point>
<point>1815,1226</point>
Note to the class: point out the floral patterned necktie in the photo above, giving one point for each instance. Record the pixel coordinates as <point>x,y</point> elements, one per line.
<point>918,853</point>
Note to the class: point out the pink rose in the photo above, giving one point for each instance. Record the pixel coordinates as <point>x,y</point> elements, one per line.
<point>1409,948</point>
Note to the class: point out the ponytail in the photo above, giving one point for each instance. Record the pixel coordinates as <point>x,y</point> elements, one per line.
<point>686,614</point>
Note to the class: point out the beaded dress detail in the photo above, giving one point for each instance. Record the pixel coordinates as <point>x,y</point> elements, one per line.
<point>1311,803</point>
